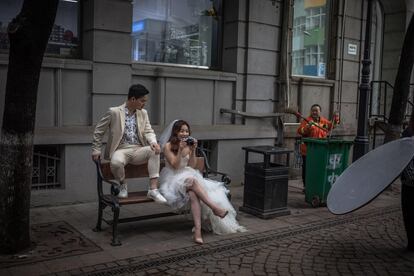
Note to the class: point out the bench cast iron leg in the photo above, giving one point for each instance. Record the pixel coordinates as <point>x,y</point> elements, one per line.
<point>115,240</point>
<point>99,222</point>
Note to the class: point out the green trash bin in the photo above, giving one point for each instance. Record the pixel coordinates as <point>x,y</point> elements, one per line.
<point>326,159</point>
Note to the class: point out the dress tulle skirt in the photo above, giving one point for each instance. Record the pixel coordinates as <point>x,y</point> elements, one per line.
<point>173,186</point>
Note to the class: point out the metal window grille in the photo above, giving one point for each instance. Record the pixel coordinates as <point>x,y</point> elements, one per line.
<point>46,170</point>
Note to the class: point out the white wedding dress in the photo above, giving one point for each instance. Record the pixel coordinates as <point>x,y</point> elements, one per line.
<point>173,187</point>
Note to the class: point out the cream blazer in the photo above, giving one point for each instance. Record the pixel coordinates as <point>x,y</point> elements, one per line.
<point>114,120</point>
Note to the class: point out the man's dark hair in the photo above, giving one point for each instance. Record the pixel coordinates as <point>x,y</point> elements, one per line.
<point>137,91</point>
<point>316,105</point>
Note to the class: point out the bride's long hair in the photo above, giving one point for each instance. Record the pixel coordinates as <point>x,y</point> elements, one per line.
<point>174,140</point>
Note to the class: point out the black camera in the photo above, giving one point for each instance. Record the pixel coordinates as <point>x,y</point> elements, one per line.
<point>189,140</point>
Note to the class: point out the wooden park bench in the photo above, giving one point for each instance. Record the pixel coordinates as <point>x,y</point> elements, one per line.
<point>136,171</point>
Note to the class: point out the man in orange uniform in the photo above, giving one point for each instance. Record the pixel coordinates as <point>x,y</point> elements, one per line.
<point>314,126</point>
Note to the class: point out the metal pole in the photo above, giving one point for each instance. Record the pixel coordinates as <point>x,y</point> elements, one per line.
<point>361,140</point>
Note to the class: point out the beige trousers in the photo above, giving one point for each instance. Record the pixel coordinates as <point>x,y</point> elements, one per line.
<point>136,155</point>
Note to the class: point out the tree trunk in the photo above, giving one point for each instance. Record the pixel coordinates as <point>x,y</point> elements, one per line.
<point>28,33</point>
<point>401,86</point>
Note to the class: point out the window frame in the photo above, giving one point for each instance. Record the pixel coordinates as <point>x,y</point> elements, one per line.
<point>327,45</point>
<point>216,44</point>
<point>78,52</point>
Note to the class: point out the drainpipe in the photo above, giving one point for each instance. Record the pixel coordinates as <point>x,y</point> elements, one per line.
<point>284,71</point>
<point>341,67</point>
<point>246,54</point>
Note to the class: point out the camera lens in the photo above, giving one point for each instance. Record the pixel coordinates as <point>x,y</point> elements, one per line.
<point>190,141</point>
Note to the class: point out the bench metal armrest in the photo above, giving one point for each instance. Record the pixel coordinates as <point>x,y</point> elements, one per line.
<point>224,177</point>
<point>114,185</point>
<point>204,155</point>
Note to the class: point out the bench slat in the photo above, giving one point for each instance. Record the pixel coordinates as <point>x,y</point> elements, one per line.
<point>137,171</point>
<point>133,198</point>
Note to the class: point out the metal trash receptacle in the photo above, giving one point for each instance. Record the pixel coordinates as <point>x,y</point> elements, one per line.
<point>266,183</point>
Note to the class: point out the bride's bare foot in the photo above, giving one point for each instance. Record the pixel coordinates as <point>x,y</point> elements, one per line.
<point>197,237</point>
<point>221,213</point>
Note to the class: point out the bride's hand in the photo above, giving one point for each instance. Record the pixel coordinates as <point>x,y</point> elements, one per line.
<point>194,146</point>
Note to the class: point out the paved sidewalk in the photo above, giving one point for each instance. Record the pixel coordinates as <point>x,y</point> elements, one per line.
<point>310,241</point>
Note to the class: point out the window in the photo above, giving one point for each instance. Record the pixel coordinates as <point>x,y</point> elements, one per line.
<point>176,31</point>
<point>64,38</point>
<point>308,39</point>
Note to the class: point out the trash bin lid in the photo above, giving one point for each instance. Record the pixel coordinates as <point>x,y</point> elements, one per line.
<point>367,177</point>
<point>326,141</point>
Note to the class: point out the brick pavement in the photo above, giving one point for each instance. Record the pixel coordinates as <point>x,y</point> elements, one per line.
<point>367,243</point>
<point>276,246</point>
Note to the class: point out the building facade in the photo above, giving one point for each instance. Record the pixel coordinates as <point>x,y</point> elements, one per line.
<point>196,58</point>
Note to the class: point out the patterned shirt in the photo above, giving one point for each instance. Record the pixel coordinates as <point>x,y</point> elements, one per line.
<point>131,129</point>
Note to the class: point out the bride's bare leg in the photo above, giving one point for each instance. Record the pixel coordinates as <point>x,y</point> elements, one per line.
<point>196,212</point>
<point>202,195</point>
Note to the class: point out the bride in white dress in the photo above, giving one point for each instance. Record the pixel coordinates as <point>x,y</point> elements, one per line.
<point>182,185</point>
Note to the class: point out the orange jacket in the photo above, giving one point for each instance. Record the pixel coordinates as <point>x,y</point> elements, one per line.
<point>314,131</point>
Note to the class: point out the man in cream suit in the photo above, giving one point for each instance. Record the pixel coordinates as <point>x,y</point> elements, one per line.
<point>131,140</point>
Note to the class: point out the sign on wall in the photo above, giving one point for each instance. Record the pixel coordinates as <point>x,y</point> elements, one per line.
<point>352,49</point>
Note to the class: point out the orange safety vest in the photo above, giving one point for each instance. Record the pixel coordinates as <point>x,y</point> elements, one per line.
<point>313,131</point>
